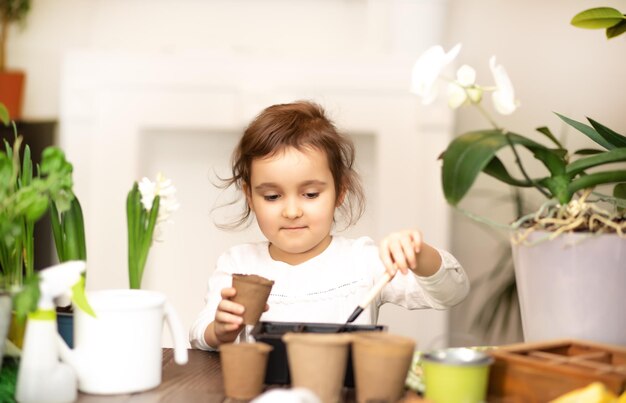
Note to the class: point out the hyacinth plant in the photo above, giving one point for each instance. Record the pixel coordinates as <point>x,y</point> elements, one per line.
<point>567,184</point>
<point>149,206</point>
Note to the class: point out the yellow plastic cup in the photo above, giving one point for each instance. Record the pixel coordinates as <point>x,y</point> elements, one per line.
<point>456,375</point>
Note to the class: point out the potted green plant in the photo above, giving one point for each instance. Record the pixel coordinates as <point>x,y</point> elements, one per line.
<point>568,272</point>
<point>24,199</point>
<point>11,81</point>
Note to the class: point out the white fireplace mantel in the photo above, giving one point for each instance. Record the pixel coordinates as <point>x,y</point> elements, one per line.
<point>127,115</point>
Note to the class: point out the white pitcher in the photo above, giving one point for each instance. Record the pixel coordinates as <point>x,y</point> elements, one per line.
<point>119,351</point>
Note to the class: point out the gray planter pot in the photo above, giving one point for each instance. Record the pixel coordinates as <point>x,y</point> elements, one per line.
<point>5,320</point>
<point>572,287</point>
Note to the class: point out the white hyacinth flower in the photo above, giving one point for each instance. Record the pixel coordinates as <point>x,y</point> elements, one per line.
<point>504,95</point>
<point>427,69</point>
<point>167,204</point>
<point>464,87</point>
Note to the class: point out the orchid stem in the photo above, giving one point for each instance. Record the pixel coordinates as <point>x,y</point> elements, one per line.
<point>486,115</point>
<point>518,161</point>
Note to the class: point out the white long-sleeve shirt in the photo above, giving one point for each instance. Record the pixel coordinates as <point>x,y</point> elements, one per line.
<point>328,287</point>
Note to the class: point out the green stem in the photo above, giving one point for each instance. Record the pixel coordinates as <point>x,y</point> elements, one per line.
<point>518,160</point>
<point>486,115</point>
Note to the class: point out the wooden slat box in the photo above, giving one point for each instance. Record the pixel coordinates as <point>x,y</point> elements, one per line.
<point>538,372</point>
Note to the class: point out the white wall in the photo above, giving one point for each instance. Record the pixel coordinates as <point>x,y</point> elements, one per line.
<point>554,66</point>
<point>352,56</point>
<point>268,27</point>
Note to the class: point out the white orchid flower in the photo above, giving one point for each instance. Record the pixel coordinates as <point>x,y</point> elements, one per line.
<point>427,69</point>
<point>464,87</point>
<point>504,95</point>
<point>167,204</point>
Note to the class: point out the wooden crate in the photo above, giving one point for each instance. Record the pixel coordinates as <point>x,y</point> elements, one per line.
<point>539,372</point>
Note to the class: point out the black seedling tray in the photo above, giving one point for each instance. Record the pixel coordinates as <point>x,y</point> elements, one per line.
<point>272,333</point>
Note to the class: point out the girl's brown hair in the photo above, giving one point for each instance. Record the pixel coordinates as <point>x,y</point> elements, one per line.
<point>302,124</point>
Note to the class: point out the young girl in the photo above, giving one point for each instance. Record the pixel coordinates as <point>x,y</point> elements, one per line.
<point>295,170</point>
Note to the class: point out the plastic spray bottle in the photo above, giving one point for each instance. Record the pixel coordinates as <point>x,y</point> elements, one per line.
<point>41,376</point>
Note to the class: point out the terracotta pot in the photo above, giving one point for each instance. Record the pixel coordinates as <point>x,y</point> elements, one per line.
<point>252,293</point>
<point>381,362</point>
<point>12,91</point>
<point>318,362</point>
<point>243,368</point>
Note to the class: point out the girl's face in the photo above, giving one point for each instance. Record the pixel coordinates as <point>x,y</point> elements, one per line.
<point>293,197</point>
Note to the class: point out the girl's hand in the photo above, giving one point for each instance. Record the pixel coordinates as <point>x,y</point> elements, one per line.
<point>399,251</point>
<point>228,317</point>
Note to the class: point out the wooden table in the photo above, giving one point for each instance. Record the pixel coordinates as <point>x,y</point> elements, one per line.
<point>200,381</point>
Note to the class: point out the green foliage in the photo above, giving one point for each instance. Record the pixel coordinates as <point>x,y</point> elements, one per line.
<point>11,11</point>
<point>26,299</point>
<point>610,19</point>
<point>4,115</point>
<point>24,199</point>
<point>68,229</point>
<point>14,10</point>
<point>141,225</point>
<point>475,152</point>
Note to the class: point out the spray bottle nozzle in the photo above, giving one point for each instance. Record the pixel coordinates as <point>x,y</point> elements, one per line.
<point>58,280</point>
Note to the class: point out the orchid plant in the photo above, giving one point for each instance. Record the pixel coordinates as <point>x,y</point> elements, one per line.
<point>567,183</point>
<point>149,206</point>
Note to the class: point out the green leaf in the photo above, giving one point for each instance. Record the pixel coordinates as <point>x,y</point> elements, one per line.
<point>79,223</point>
<point>133,211</point>
<point>36,208</point>
<point>496,169</point>
<point>469,154</point>
<point>587,130</point>
<point>26,176</point>
<point>546,131</point>
<point>588,151</point>
<point>57,232</point>
<point>619,191</point>
<point>597,18</point>
<point>559,187</point>
<point>146,241</point>
<point>4,115</point>
<point>68,223</point>
<point>609,135</point>
<point>26,299</point>
<point>607,157</point>
<point>552,159</point>
<point>595,179</point>
<point>616,30</point>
